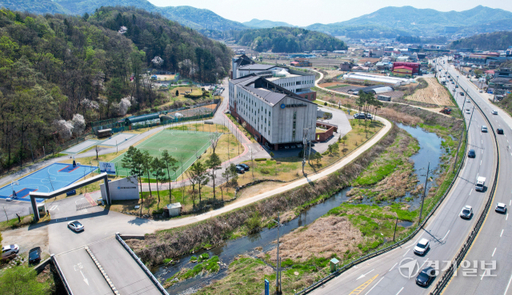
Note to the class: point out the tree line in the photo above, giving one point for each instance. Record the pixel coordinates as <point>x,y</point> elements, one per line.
<point>143,165</point>
<point>286,39</point>
<point>487,41</point>
<point>58,73</point>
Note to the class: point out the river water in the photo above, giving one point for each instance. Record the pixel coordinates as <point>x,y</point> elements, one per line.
<point>430,151</point>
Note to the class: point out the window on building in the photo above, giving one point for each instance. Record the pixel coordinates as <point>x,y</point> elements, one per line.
<point>294,125</point>
<point>293,134</point>
<point>294,115</point>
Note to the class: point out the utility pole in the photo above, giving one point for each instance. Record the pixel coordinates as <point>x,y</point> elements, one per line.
<point>424,192</point>
<point>396,224</point>
<point>304,149</point>
<point>278,277</point>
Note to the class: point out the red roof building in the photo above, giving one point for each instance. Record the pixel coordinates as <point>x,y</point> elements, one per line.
<point>414,66</point>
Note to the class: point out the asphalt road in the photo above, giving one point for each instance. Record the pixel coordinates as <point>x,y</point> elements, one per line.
<point>446,231</point>
<point>494,242</point>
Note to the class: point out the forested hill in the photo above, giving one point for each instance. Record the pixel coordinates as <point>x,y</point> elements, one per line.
<point>203,20</point>
<point>285,39</point>
<point>182,49</point>
<point>489,41</point>
<point>58,73</point>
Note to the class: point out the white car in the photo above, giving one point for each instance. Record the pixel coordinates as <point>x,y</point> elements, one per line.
<point>75,226</point>
<point>468,111</point>
<point>494,112</point>
<point>10,250</point>
<point>466,212</point>
<point>484,128</point>
<point>501,208</point>
<point>422,247</point>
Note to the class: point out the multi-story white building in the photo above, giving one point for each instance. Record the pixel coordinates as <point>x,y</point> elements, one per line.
<point>275,116</point>
<point>297,82</point>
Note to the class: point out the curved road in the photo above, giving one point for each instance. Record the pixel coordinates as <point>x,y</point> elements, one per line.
<point>446,231</point>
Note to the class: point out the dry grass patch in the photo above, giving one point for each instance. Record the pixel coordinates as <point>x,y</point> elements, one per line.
<point>435,93</point>
<point>323,238</point>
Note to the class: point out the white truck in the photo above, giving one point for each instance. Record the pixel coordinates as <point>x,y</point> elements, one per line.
<point>480,183</point>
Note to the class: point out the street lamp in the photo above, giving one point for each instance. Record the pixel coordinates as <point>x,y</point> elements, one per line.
<point>278,277</point>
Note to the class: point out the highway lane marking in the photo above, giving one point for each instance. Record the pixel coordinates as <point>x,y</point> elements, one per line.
<point>510,203</point>
<point>470,192</point>
<point>493,252</point>
<point>421,267</point>
<point>506,217</point>
<point>362,276</point>
<point>406,252</point>
<point>374,286</point>
<point>400,291</point>
<point>392,267</point>
<point>508,285</point>
<point>445,235</point>
<point>502,232</point>
<point>480,162</point>
<point>361,288</point>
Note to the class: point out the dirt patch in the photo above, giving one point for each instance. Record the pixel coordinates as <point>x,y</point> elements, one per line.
<point>258,189</point>
<point>435,93</point>
<point>28,239</point>
<point>322,238</point>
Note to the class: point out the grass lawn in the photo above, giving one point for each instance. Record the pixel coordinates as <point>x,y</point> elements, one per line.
<point>185,146</point>
<point>291,167</point>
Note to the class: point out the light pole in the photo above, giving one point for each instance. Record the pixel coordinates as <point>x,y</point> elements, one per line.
<point>278,281</point>
<point>424,192</point>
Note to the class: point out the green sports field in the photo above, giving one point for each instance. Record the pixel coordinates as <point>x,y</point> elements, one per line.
<point>184,146</point>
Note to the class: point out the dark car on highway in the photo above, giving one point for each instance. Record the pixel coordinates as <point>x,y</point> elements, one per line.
<point>34,256</point>
<point>499,130</point>
<point>471,154</point>
<point>426,276</point>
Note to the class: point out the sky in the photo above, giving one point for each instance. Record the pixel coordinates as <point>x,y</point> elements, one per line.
<point>307,12</point>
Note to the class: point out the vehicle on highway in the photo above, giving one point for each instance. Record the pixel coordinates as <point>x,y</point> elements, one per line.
<point>466,212</point>
<point>480,184</point>
<point>480,91</point>
<point>484,128</point>
<point>245,166</point>
<point>499,130</point>
<point>471,153</point>
<point>10,250</point>
<point>494,112</point>
<point>468,101</point>
<point>461,93</point>
<point>422,247</point>
<point>468,111</point>
<point>75,226</point>
<point>34,255</point>
<point>240,170</point>
<point>501,208</point>
<point>426,276</point>
<point>456,86</point>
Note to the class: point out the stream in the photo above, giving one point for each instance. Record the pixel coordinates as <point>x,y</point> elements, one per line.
<point>430,151</point>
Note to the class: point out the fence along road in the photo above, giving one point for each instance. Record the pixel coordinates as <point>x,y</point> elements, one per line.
<point>445,230</point>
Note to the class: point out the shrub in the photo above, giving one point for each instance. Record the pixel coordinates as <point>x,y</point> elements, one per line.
<point>264,171</point>
<point>260,159</point>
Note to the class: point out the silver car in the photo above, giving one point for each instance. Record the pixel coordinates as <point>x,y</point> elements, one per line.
<point>501,208</point>
<point>466,212</point>
<point>9,250</point>
<point>75,226</point>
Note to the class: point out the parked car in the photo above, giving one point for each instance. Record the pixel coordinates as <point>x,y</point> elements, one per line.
<point>471,153</point>
<point>494,112</point>
<point>499,130</point>
<point>422,247</point>
<point>501,208</point>
<point>76,226</point>
<point>34,255</point>
<point>10,250</point>
<point>245,166</point>
<point>240,170</point>
<point>426,276</point>
<point>359,116</point>
<point>466,212</point>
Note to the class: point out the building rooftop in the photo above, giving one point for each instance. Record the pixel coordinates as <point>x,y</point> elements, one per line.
<point>269,96</point>
<point>257,67</point>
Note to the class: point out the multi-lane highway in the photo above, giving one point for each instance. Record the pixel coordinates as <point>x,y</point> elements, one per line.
<point>494,242</point>
<point>446,231</point>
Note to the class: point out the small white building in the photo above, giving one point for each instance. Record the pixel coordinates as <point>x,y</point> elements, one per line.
<point>173,209</point>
